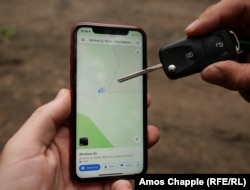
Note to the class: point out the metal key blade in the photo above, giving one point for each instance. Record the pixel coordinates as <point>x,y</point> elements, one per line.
<point>139,73</point>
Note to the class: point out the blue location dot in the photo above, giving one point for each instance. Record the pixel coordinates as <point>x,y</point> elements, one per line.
<point>101,90</point>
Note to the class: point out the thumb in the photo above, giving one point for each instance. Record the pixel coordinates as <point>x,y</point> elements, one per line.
<point>228,74</point>
<point>40,129</point>
<point>224,14</point>
<point>121,185</point>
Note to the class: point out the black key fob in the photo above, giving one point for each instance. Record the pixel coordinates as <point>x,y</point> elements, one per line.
<point>192,54</point>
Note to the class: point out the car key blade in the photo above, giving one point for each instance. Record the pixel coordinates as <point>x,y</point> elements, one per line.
<point>139,73</point>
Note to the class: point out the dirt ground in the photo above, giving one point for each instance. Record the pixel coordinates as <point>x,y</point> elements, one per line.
<point>204,128</point>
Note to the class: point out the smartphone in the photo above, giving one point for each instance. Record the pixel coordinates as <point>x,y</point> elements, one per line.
<point>109,119</point>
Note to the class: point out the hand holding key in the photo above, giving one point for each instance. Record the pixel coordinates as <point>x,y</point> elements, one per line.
<point>231,15</point>
<point>192,54</point>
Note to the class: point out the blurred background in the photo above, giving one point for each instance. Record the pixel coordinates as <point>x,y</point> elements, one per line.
<point>204,128</point>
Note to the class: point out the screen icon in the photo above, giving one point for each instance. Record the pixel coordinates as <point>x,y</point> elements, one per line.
<point>84,141</point>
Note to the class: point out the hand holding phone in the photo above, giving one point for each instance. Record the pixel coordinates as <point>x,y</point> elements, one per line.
<point>109,119</point>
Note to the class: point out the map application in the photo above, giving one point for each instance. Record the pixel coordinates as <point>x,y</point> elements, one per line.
<point>109,121</point>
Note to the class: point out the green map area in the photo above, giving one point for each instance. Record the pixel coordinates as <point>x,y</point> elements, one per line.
<point>87,128</point>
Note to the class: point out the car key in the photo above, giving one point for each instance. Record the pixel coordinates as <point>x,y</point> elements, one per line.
<point>192,54</point>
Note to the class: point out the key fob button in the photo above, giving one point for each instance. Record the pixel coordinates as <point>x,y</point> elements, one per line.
<point>215,46</point>
<point>189,55</point>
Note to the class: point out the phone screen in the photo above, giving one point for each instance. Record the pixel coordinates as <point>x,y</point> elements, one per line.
<point>109,117</point>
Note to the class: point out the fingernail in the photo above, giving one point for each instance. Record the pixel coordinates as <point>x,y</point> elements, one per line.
<point>192,25</point>
<point>60,94</point>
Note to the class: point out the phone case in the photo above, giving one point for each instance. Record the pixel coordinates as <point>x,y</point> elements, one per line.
<point>84,141</point>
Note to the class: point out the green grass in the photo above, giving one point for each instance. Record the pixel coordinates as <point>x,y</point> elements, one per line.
<point>7,33</point>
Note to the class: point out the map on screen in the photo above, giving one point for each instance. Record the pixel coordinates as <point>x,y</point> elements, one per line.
<point>109,113</point>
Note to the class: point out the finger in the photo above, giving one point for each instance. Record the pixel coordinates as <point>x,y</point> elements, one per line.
<point>121,185</point>
<point>153,135</point>
<point>224,14</point>
<point>43,124</point>
<point>153,132</point>
<point>148,101</point>
<point>228,74</point>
